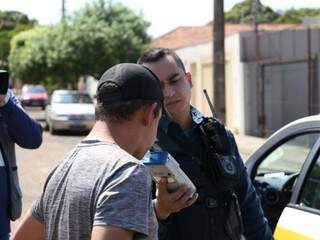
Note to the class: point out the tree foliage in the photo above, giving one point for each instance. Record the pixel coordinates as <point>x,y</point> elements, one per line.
<point>112,32</point>
<point>296,15</point>
<point>28,54</point>
<point>10,19</point>
<point>11,23</point>
<point>97,37</point>
<point>242,13</point>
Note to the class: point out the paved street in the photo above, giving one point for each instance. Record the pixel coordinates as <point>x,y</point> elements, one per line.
<point>35,165</point>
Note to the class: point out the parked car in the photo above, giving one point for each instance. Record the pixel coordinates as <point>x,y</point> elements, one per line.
<point>286,173</point>
<point>69,110</point>
<point>34,95</point>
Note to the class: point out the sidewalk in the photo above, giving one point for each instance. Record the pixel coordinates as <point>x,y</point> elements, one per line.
<point>248,144</point>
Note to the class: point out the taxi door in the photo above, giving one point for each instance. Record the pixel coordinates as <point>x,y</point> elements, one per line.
<point>300,220</point>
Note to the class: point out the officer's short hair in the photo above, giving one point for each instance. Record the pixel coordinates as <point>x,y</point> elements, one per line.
<point>155,54</point>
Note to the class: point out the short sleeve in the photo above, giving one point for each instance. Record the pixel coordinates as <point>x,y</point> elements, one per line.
<point>125,199</point>
<point>37,209</point>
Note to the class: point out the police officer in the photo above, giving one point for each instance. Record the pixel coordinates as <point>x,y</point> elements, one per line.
<point>228,206</point>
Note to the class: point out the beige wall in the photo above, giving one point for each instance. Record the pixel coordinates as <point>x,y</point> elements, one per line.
<point>198,60</point>
<point>207,83</point>
<point>234,85</point>
<point>229,95</point>
<point>241,77</point>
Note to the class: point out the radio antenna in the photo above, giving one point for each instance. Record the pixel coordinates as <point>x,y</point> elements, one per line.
<point>209,102</point>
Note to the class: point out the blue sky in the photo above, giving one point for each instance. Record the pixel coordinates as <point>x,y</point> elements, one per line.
<point>164,15</point>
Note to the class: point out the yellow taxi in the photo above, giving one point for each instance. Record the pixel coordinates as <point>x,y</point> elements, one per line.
<point>286,173</point>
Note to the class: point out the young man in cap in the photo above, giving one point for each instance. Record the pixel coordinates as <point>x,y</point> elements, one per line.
<point>228,206</point>
<point>101,190</point>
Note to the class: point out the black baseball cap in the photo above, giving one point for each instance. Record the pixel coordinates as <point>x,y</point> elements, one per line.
<point>128,81</point>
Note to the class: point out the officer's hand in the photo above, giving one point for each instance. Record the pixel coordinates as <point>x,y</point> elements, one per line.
<point>2,98</point>
<point>167,203</point>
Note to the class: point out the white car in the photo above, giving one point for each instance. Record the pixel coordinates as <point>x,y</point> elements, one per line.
<point>69,110</point>
<point>286,173</point>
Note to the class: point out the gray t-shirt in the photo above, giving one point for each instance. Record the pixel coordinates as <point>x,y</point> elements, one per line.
<point>97,184</point>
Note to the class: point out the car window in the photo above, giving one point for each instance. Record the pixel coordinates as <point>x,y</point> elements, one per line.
<point>310,196</point>
<point>289,156</point>
<point>38,89</point>
<point>71,98</point>
<point>34,89</point>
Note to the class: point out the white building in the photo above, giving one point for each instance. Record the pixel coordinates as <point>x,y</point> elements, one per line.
<point>283,52</point>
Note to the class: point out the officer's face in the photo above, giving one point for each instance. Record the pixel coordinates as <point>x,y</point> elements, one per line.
<point>176,86</point>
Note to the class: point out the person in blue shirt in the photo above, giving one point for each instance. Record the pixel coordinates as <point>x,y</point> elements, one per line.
<point>179,133</point>
<point>15,127</point>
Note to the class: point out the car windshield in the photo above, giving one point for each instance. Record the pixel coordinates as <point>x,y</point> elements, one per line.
<point>288,157</point>
<point>71,98</point>
<point>34,89</point>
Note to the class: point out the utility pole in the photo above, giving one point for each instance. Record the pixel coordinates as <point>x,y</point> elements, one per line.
<point>63,10</point>
<point>219,93</point>
<point>260,71</point>
<point>312,84</point>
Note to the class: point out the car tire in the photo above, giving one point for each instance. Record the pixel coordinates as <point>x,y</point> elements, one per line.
<point>52,130</point>
<point>46,126</point>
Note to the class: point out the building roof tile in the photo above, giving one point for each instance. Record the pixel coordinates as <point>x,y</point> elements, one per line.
<point>187,36</point>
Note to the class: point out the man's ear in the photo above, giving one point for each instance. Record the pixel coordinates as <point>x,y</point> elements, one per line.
<point>148,114</point>
<point>189,78</point>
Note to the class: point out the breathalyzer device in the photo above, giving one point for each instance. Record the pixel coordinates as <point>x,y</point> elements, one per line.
<point>162,164</point>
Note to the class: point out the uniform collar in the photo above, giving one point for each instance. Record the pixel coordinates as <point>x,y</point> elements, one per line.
<point>196,117</point>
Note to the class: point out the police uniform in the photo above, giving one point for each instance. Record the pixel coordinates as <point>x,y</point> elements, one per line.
<point>206,219</point>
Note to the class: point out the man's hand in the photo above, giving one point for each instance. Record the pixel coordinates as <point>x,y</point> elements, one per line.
<point>2,99</point>
<point>167,203</point>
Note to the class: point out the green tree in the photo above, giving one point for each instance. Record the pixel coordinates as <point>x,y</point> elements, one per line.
<point>10,19</point>
<point>110,33</point>
<point>98,36</point>
<point>296,15</point>
<point>27,59</point>
<point>242,13</point>
<point>11,23</point>
<point>43,54</point>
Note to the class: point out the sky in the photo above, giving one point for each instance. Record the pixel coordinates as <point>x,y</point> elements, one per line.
<point>164,15</point>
